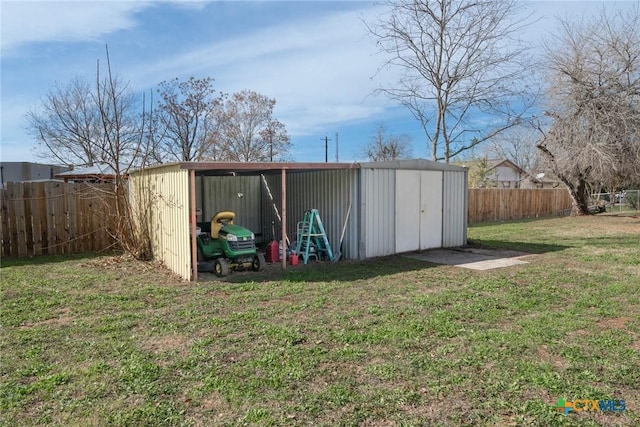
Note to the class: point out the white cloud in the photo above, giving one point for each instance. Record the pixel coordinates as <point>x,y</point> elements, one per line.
<point>317,69</point>
<point>43,21</point>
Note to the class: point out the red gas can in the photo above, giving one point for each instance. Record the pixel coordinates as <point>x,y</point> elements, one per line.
<point>293,259</point>
<point>272,253</point>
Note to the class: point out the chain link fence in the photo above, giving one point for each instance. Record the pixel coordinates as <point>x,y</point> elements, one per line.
<point>619,201</point>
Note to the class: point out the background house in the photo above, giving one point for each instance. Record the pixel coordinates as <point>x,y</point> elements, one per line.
<point>494,173</point>
<point>28,171</point>
<point>98,173</point>
<point>541,179</point>
<point>504,173</point>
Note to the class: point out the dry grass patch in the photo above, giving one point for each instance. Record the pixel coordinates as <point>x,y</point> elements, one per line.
<point>62,317</point>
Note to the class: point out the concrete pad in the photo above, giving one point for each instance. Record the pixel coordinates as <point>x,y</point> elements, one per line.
<point>472,258</point>
<point>493,263</point>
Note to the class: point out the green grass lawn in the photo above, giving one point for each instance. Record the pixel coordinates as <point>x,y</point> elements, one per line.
<point>392,341</point>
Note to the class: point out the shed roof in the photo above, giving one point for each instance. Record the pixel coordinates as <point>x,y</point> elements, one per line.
<point>228,168</point>
<point>494,163</point>
<point>414,164</point>
<point>222,168</point>
<point>97,171</point>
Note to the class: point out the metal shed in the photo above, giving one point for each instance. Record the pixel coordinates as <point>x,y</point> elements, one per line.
<point>410,205</point>
<point>387,202</point>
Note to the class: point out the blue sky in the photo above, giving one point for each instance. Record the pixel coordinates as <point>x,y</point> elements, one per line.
<point>314,57</point>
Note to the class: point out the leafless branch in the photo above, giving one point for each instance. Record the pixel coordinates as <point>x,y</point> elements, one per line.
<point>457,60</point>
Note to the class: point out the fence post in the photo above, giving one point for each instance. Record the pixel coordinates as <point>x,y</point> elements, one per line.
<point>39,218</point>
<point>5,231</point>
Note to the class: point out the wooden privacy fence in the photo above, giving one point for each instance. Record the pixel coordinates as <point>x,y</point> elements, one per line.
<point>492,204</point>
<point>52,217</point>
<point>39,218</point>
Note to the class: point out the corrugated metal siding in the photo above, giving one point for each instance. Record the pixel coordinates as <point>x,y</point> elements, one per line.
<point>418,210</point>
<point>270,223</point>
<point>330,192</point>
<point>454,219</point>
<point>377,206</point>
<point>222,193</point>
<point>409,218</point>
<point>370,230</point>
<point>165,192</point>
<point>431,209</point>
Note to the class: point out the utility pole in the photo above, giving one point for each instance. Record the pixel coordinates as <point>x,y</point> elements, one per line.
<point>270,145</point>
<point>326,148</point>
<point>337,155</point>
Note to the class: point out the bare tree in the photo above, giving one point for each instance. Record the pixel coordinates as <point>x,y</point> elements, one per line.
<point>67,125</point>
<point>187,120</point>
<point>248,132</point>
<point>79,124</point>
<point>275,136</point>
<point>385,147</point>
<point>83,125</point>
<point>593,134</point>
<point>457,60</point>
<point>124,143</point>
<point>122,124</point>
<point>153,141</point>
<point>517,145</point>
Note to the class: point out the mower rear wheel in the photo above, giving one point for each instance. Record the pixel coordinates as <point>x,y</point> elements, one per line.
<point>258,262</point>
<point>220,267</point>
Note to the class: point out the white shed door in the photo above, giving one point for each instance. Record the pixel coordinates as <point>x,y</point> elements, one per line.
<point>407,210</point>
<point>430,209</point>
<point>418,210</point>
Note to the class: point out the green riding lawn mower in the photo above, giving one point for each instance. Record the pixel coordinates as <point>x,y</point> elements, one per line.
<point>228,247</point>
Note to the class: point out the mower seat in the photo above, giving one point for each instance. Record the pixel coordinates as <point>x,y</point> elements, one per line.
<point>219,220</point>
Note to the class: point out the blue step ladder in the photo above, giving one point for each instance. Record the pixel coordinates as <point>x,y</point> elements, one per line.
<point>310,232</point>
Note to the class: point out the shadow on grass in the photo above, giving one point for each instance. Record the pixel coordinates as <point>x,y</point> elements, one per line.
<point>625,213</point>
<point>324,271</point>
<point>485,224</point>
<point>528,247</point>
<point>351,270</point>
